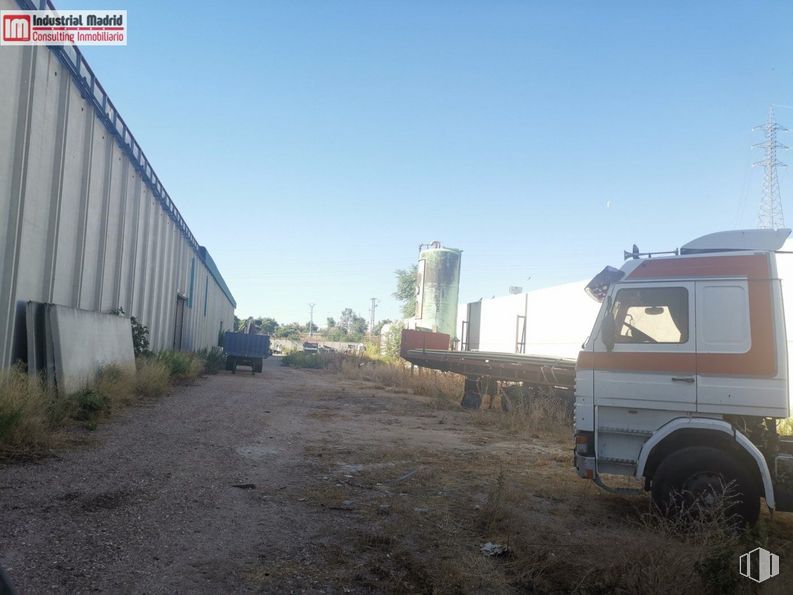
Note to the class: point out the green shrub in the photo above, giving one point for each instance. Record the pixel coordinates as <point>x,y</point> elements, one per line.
<point>87,406</point>
<point>299,359</point>
<point>214,360</point>
<point>140,336</point>
<point>140,333</point>
<point>114,387</point>
<point>183,367</point>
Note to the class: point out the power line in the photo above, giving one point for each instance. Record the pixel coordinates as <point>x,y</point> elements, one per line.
<point>311,321</point>
<point>770,215</point>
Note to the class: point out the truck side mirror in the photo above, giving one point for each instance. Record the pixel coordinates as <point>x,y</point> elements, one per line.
<point>608,329</point>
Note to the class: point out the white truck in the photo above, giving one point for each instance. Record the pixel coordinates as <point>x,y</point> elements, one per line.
<point>685,374</point>
<point>683,379</point>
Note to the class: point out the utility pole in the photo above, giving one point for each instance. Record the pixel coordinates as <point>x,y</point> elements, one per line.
<point>311,321</point>
<point>770,215</point>
<point>371,317</point>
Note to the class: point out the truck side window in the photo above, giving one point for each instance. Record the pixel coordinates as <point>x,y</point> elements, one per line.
<point>650,315</point>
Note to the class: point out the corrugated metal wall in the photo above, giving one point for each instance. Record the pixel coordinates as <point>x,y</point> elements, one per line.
<point>79,223</point>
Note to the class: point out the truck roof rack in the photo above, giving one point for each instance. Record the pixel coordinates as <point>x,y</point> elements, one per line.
<point>635,254</point>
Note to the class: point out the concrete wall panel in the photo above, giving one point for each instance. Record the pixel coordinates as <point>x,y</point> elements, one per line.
<point>66,263</point>
<point>93,251</point>
<point>111,260</point>
<point>103,339</point>
<point>37,189</point>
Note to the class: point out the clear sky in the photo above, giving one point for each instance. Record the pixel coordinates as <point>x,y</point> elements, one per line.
<point>311,146</point>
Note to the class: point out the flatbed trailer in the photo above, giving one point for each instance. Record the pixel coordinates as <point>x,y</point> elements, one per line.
<point>531,369</point>
<point>483,370</point>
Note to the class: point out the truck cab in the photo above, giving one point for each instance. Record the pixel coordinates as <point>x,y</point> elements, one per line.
<point>685,375</point>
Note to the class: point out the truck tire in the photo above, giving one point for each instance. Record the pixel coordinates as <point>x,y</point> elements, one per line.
<point>692,479</point>
<point>259,364</point>
<point>229,364</point>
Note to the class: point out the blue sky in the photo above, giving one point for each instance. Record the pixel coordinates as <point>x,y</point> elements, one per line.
<point>312,146</point>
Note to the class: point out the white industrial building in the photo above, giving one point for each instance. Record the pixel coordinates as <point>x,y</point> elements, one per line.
<point>85,220</point>
<point>553,321</point>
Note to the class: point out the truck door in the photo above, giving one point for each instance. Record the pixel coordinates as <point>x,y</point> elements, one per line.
<point>644,364</point>
<point>650,361</point>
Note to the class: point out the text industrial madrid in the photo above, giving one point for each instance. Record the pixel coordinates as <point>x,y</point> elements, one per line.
<point>90,20</point>
<point>78,28</point>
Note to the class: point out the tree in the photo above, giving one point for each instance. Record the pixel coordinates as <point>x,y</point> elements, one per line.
<point>266,326</point>
<point>393,339</point>
<point>289,331</point>
<point>336,333</point>
<point>350,327</point>
<point>345,320</point>
<point>311,327</point>
<point>331,322</point>
<point>378,328</point>
<point>406,290</point>
<point>352,323</point>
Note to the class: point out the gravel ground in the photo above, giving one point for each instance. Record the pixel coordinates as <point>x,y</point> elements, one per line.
<point>179,495</point>
<point>300,481</point>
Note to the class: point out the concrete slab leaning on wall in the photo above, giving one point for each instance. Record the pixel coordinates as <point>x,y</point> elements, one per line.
<point>82,342</point>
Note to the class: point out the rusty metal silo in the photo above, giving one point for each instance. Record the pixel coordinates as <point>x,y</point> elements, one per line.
<point>438,286</point>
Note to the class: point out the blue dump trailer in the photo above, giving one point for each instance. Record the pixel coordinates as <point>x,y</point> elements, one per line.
<point>245,349</point>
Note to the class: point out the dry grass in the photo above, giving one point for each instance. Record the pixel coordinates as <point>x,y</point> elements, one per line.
<point>117,385</point>
<point>33,418</point>
<point>424,533</point>
<point>24,414</point>
<point>516,488</point>
<point>153,378</point>
<point>541,413</point>
<point>443,387</point>
<point>513,409</point>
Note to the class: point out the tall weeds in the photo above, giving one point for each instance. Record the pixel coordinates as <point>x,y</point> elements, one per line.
<point>445,387</point>
<point>31,415</point>
<point>24,413</point>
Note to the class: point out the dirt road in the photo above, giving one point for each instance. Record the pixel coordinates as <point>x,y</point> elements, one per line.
<point>232,484</point>
<point>302,481</point>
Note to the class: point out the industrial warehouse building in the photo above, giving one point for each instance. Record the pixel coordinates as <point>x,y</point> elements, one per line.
<point>85,220</point>
<point>553,321</point>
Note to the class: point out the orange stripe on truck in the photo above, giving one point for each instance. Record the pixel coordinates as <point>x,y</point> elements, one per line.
<point>759,361</point>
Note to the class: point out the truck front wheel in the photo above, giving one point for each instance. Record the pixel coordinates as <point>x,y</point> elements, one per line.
<point>702,480</point>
